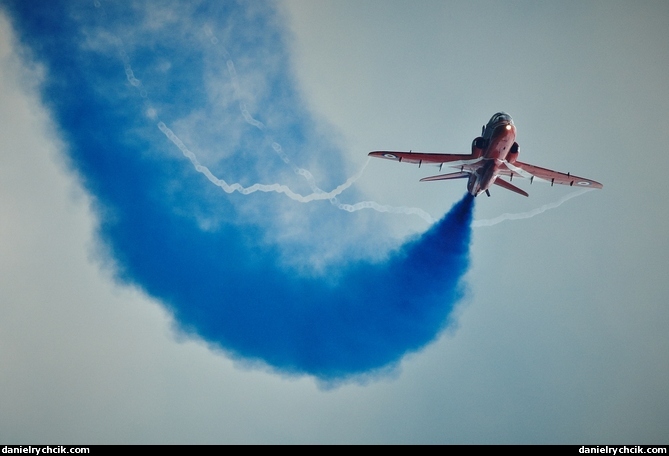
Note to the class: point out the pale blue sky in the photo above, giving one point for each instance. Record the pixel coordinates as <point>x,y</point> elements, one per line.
<point>562,338</point>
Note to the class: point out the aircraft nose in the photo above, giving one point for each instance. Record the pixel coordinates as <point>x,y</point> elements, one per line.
<point>504,128</point>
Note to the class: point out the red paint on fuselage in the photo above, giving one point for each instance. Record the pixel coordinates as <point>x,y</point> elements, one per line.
<point>499,135</point>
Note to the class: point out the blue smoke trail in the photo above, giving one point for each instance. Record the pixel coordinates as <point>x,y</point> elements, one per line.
<point>228,283</point>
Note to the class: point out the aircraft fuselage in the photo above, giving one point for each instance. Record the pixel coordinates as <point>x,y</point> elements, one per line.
<point>499,136</point>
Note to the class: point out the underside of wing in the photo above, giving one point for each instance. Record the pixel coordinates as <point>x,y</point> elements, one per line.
<point>460,175</point>
<point>419,158</point>
<point>530,171</point>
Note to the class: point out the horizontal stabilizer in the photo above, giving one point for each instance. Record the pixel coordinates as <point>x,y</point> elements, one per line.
<point>509,186</point>
<point>460,175</point>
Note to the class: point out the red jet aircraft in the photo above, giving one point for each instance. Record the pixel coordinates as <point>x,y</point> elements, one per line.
<point>494,154</point>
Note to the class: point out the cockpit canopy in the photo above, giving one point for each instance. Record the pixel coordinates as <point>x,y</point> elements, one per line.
<point>500,117</point>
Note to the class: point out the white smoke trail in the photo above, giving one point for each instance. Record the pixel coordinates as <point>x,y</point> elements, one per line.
<point>529,214</point>
<point>248,118</point>
<point>318,193</point>
<point>231,188</point>
<point>384,208</point>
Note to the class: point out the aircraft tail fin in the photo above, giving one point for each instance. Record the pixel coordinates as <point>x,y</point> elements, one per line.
<point>509,186</point>
<point>460,175</point>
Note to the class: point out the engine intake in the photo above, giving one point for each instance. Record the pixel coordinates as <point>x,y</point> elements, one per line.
<point>477,147</point>
<point>512,156</point>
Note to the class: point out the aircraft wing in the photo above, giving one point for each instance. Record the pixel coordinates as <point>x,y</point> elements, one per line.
<point>419,158</point>
<point>554,177</point>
